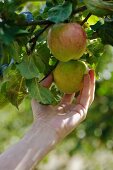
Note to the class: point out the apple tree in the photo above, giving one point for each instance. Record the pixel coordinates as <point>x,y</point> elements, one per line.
<point>25,59</point>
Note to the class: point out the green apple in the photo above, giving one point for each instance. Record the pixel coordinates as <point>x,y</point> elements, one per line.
<point>68,76</point>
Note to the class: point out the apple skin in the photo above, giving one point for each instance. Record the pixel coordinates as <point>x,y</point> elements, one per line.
<point>68,76</point>
<point>67,41</point>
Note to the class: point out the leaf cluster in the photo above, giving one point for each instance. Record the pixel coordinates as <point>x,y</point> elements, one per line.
<point>24,53</point>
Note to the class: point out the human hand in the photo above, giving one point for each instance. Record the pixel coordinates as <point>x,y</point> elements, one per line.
<point>66,116</point>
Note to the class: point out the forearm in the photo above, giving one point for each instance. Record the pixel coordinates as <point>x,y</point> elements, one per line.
<point>30,150</point>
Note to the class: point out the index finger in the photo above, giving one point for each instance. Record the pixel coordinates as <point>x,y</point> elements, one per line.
<point>92,91</point>
<point>85,94</point>
<point>47,81</point>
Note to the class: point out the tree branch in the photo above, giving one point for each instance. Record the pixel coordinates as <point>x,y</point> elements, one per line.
<point>51,70</point>
<point>81,9</point>
<point>87,17</point>
<point>35,22</point>
<point>34,39</point>
<point>45,22</point>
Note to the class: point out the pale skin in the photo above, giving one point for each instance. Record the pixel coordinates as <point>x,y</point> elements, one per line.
<point>51,124</point>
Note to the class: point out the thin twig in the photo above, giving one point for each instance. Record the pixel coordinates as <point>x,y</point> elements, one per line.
<point>35,22</point>
<point>87,17</point>
<point>81,9</point>
<point>49,72</point>
<point>34,39</point>
<point>46,22</point>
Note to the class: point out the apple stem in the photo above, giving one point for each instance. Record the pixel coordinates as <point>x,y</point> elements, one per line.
<point>87,17</point>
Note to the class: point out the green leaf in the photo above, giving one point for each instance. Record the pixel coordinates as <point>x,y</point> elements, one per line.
<point>16,52</point>
<point>105,32</point>
<point>3,99</point>
<point>95,49</point>
<point>99,7</point>
<point>15,97</point>
<point>42,56</point>
<point>60,13</point>
<point>105,59</point>
<point>96,26</point>
<point>38,92</point>
<point>92,20</point>
<point>13,86</point>
<point>27,68</point>
<point>74,2</point>
<point>36,63</point>
<point>50,3</point>
<point>9,33</point>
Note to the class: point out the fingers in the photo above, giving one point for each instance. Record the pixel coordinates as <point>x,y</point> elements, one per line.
<point>92,88</point>
<point>89,84</point>
<point>85,93</point>
<point>86,96</point>
<point>78,97</point>
<point>47,81</point>
<point>35,107</point>
<point>67,98</point>
<point>77,112</point>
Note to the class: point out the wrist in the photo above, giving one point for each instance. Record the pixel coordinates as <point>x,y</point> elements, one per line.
<point>41,139</point>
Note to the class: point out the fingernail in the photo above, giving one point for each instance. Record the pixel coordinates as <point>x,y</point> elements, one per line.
<point>92,74</point>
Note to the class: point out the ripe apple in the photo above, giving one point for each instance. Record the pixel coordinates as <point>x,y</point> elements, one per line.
<point>67,41</point>
<point>68,76</point>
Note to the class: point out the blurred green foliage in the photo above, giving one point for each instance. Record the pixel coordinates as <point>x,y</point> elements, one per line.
<point>14,123</point>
